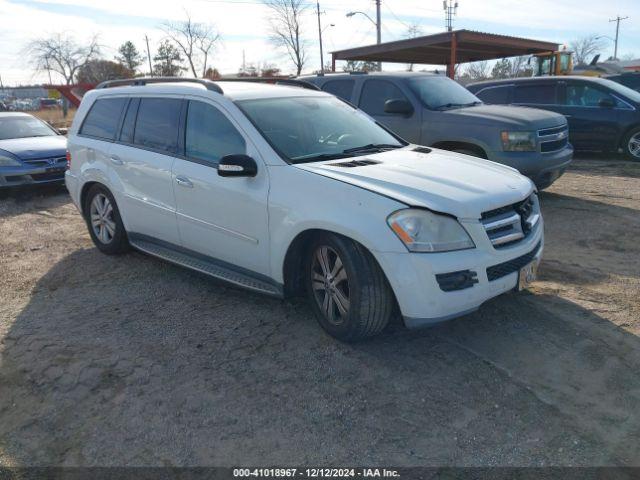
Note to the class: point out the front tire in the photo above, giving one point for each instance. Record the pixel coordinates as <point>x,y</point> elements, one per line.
<point>631,145</point>
<point>104,221</point>
<point>347,289</point>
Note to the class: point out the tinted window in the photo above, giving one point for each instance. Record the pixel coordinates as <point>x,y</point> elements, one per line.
<point>103,118</point>
<point>495,95</point>
<point>129,123</point>
<point>537,94</point>
<point>157,124</point>
<point>375,93</point>
<point>210,135</point>
<point>340,88</point>
<point>582,95</point>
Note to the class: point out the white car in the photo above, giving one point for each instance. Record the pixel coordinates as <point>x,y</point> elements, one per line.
<point>287,190</point>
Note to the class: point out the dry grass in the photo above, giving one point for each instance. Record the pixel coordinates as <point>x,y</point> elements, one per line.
<point>55,118</point>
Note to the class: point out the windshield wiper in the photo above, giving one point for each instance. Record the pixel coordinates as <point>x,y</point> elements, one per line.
<point>371,146</point>
<point>320,157</point>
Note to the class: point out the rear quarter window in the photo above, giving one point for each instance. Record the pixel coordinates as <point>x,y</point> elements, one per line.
<point>103,118</point>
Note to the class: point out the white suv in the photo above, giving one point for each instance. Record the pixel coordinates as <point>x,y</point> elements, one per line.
<point>287,190</point>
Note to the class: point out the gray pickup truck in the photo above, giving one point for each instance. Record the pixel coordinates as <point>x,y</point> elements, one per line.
<point>435,111</point>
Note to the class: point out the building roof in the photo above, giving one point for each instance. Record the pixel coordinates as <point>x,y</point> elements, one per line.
<point>435,49</point>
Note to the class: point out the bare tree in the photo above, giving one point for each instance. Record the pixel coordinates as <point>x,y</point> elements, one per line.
<point>585,48</point>
<point>61,54</point>
<point>477,70</point>
<point>195,40</point>
<point>414,30</point>
<point>286,29</point>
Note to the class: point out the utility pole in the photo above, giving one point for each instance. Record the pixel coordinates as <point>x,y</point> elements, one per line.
<point>450,9</point>
<point>618,19</point>
<point>320,37</point>
<point>379,28</point>
<point>146,39</point>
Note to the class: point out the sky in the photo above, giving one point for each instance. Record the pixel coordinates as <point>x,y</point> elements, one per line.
<point>244,26</point>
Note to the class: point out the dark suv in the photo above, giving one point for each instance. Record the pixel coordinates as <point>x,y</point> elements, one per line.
<point>435,111</point>
<point>603,115</point>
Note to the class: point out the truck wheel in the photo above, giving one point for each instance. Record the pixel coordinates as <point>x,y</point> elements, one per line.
<point>631,145</point>
<point>347,289</point>
<point>104,221</point>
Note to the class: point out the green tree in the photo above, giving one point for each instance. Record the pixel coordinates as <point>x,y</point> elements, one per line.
<point>502,69</point>
<point>355,66</point>
<point>129,56</point>
<point>168,61</point>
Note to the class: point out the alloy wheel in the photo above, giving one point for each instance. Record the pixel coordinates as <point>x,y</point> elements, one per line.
<point>101,217</point>
<point>330,284</point>
<point>634,145</point>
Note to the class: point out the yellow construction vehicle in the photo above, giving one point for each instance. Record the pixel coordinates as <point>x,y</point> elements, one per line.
<point>554,63</point>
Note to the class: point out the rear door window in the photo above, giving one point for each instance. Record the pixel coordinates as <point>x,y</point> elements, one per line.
<point>103,118</point>
<point>535,94</point>
<point>157,124</point>
<point>209,135</point>
<point>340,88</point>
<point>375,93</point>
<point>495,95</point>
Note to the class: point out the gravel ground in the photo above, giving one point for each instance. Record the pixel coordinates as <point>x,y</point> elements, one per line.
<point>128,360</point>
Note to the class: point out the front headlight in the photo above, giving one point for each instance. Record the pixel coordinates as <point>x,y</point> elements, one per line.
<point>519,141</point>
<point>8,162</point>
<point>425,231</point>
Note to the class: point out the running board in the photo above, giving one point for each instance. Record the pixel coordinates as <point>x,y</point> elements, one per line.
<point>206,266</point>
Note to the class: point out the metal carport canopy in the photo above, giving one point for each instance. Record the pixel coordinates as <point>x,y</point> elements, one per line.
<point>447,48</point>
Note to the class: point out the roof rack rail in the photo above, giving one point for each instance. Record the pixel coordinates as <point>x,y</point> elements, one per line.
<point>273,80</point>
<point>141,81</point>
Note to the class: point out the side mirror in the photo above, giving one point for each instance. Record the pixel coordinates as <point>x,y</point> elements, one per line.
<point>398,106</point>
<point>63,131</point>
<point>237,166</point>
<point>606,103</point>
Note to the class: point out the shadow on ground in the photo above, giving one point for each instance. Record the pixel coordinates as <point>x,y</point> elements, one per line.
<point>185,371</point>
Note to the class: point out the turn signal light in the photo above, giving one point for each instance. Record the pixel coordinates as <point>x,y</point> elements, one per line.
<point>68,160</point>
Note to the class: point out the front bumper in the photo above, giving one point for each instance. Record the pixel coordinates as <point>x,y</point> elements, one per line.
<point>420,297</point>
<point>542,168</point>
<point>32,175</point>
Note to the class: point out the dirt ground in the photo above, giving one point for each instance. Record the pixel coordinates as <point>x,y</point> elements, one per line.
<point>132,361</point>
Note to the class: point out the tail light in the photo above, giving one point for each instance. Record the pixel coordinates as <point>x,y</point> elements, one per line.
<point>68,160</point>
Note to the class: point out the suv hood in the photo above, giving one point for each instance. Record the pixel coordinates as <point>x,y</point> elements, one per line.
<point>522,118</point>
<point>31,148</point>
<point>442,181</point>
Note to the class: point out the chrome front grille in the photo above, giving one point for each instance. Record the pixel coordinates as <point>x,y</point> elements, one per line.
<point>512,223</point>
<point>553,139</point>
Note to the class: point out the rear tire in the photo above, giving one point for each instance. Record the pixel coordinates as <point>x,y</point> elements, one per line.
<point>104,221</point>
<point>631,145</point>
<point>347,289</point>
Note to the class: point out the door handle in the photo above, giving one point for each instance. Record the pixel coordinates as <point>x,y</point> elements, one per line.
<point>116,160</point>
<point>184,181</point>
